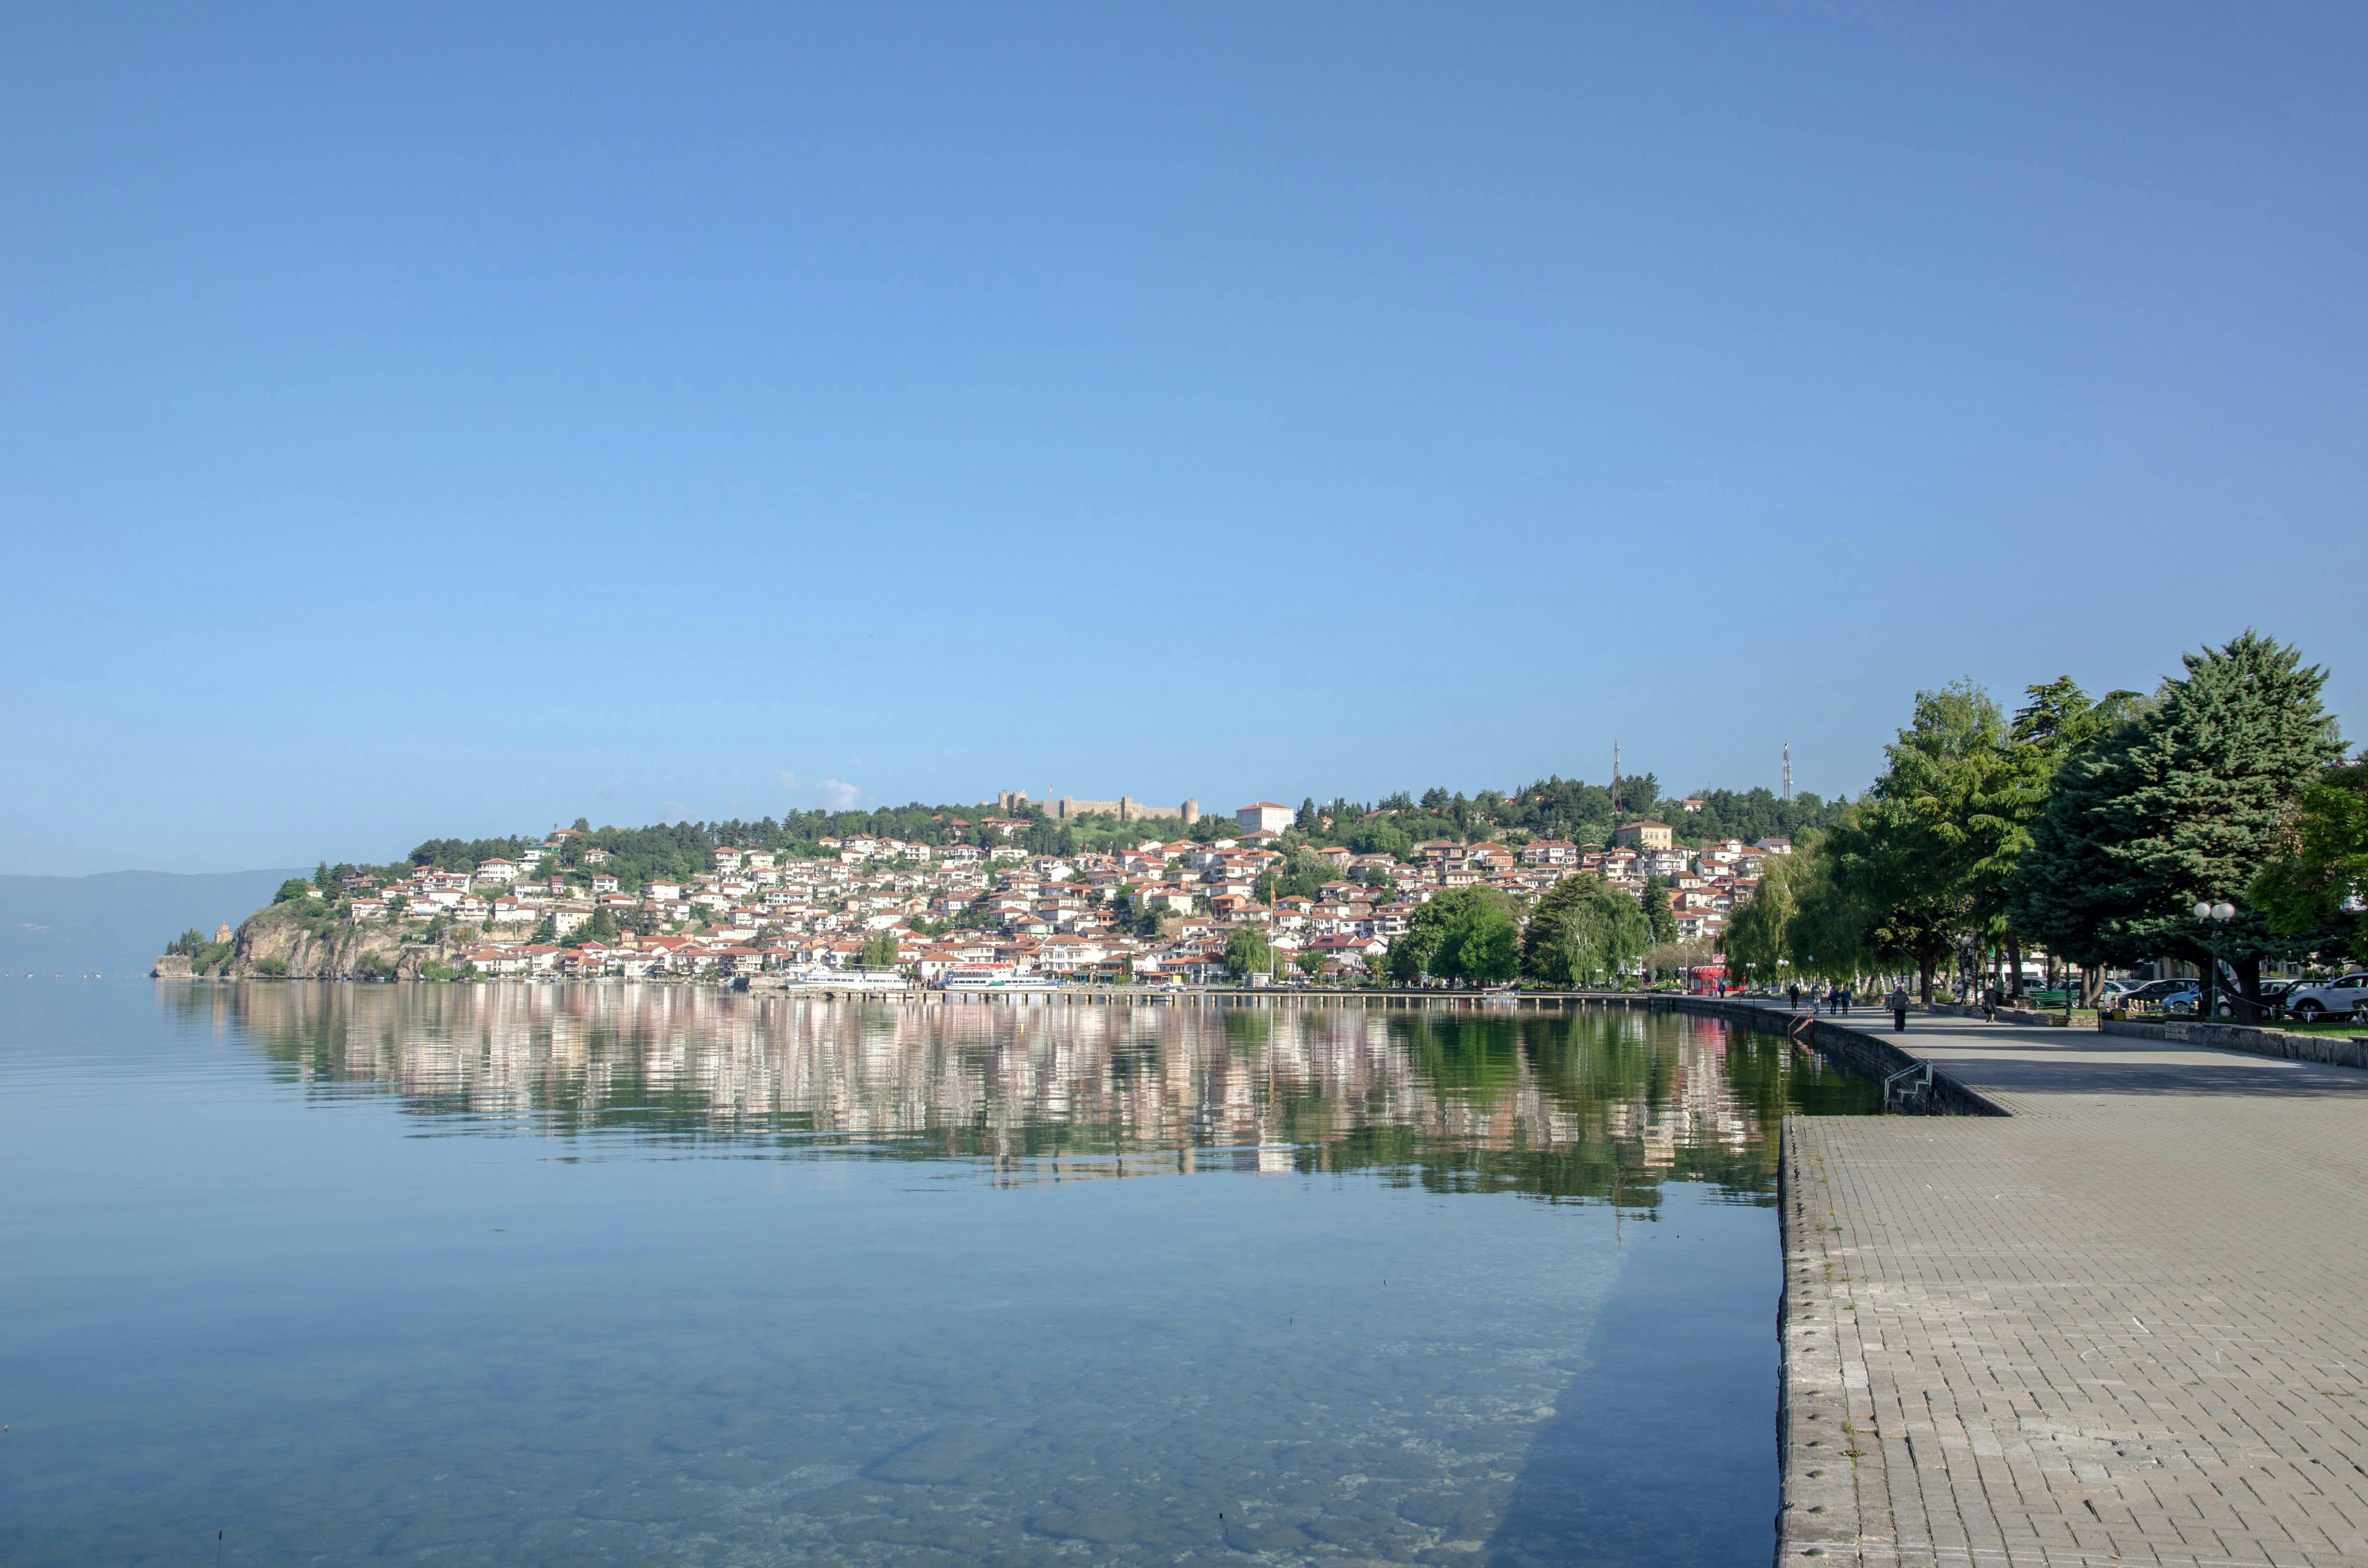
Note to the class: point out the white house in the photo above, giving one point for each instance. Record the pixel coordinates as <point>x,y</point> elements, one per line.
<point>1264,816</point>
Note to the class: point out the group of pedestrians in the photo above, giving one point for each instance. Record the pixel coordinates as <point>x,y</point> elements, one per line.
<point>1835,999</point>
<point>1838,1000</point>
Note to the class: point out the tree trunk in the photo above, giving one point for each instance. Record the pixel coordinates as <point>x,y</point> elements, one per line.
<point>2015,957</point>
<point>2249,986</point>
<point>1925,963</point>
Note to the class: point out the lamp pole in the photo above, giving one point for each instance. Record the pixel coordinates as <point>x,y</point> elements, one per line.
<point>2216,918</point>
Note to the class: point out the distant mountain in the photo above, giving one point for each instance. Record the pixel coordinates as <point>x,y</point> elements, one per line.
<point>118,922</point>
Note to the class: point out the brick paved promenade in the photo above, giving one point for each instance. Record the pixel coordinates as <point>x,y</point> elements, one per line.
<point>2127,1323</point>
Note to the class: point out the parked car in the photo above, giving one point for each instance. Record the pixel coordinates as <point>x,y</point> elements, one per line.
<point>2112,992</point>
<point>2342,998</point>
<point>2275,993</point>
<point>2154,992</point>
<point>2184,996</point>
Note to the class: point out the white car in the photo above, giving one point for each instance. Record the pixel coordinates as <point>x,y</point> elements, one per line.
<point>2344,997</point>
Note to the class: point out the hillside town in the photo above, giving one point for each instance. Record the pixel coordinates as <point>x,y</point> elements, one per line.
<point>991,911</point>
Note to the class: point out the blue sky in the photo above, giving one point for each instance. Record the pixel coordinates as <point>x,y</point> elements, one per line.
<point>449,420</point>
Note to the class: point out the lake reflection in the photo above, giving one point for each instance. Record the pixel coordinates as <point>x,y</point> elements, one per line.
<point>1563,1105</point>
<point>641,1274</point>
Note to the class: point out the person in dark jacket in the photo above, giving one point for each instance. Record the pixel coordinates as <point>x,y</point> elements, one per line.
<point>1898,1001</point>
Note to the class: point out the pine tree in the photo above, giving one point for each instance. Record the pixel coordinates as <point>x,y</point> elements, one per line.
<point>2185,804</point>
<point>1660,921</point>
<point>2057,725</point>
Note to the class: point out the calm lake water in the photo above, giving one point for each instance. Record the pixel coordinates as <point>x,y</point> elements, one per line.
<point>618,1274</point>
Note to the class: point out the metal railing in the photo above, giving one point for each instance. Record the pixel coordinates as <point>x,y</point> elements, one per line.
<point>1916,1096</point>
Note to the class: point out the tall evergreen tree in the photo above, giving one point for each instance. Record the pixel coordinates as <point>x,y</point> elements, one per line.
<point>2058,723</point>
<point>1660,920</point>
<point>2185,804</point>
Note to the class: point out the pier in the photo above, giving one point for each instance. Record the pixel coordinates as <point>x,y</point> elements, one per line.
<point>2123,1322</point>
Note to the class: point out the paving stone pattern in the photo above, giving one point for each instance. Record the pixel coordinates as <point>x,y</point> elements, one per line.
<point>2126,1323</point>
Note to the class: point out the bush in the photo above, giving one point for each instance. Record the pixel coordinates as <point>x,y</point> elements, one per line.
<point>274,967</point>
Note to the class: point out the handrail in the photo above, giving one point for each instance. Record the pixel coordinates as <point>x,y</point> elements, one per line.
<point>1910,1072</point>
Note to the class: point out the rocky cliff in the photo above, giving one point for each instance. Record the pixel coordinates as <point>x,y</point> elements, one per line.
<point>301,940</point>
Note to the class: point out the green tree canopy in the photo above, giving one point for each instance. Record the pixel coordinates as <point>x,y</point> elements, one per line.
<point>1759,935</point>
<point>1660,920</point>
<point>2189,801</point>
<point>1583,931</point>
<point>2319,878</point>
<point>1462,933</point>
<point>1923,859</point>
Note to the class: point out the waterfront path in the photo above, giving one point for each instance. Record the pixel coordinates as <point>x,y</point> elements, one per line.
<point>2126,1323</point>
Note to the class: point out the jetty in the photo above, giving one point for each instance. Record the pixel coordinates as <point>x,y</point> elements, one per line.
<point>2120,1318</point>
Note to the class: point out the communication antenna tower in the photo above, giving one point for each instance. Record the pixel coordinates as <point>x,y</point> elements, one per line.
<point>1788,771</point>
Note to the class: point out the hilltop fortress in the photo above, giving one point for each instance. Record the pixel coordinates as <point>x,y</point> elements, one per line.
<point>1126,808</point>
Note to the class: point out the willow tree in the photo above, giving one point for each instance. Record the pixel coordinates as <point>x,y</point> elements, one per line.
<point>1827,936</point>
<point>1583,928</point>
<point>1758,934</point>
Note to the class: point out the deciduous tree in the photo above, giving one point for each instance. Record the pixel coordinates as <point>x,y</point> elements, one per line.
<point>1583,929</point>
<point>2318,877</point>
<point>1247,951</point>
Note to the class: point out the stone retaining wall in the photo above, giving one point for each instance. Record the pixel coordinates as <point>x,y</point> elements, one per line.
<point>2032,1016</point>
<point>2292,1046</point>
<point>1868,1054</point>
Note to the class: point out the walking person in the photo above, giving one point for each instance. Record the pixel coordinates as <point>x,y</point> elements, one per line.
<point>1898,999</point>
<point>1793,993</point>
<point>1847,993</point>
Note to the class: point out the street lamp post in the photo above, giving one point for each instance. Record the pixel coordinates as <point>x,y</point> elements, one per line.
<point>2215,917</point>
